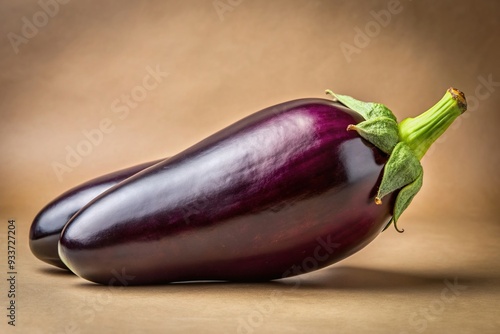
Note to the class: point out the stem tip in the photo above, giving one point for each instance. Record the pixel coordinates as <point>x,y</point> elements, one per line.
<point>459,97</point>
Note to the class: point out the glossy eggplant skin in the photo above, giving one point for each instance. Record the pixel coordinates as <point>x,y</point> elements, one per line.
<point>49,222</point>
<point>283,191</point>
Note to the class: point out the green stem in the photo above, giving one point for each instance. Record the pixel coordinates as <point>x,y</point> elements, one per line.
<point>420,132</point>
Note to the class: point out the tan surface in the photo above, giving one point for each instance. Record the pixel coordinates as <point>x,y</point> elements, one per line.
<point>67,76</point>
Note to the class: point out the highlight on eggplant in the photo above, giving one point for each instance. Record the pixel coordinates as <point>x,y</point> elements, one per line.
<point>49,222</point>
<point>271,185</point>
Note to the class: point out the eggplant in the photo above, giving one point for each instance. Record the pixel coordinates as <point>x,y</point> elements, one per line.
<point>289,189</point>
<point>49,222</point>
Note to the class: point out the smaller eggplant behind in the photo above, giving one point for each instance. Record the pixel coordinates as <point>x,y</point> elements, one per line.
<point>50,221</point>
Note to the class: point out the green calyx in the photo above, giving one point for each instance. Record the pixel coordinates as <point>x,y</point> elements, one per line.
<point>405,143</point>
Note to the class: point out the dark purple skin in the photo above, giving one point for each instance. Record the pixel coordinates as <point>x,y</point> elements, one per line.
<point>50,221</point>
<point>283,191</point>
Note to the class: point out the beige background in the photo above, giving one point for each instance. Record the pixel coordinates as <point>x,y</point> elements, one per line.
<point>66,77</point>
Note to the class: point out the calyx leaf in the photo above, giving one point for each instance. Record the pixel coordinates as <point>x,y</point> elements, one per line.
<point>403,170</point>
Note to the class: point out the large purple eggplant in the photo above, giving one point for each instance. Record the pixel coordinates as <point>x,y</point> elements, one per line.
<point>289,189</point>
<point>49,222</point>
